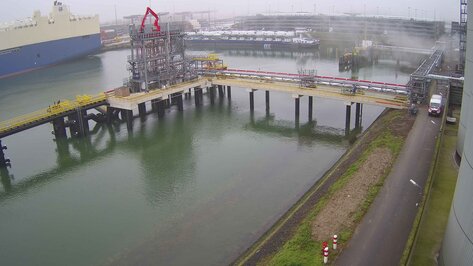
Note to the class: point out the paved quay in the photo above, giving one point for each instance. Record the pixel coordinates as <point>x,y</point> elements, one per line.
<point>381,236</point>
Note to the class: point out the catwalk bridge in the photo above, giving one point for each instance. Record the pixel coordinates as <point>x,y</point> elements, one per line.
<point>109,106</point>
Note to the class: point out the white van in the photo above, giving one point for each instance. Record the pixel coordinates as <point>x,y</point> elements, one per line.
<point>436,105</point>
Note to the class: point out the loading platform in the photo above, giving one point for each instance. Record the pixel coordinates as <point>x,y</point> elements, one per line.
<point>322,91</point>
<point>131,102</point>
<point>380,94</point>
<point>72,114</point>
<point>387,95</point>
<point>49,114</point>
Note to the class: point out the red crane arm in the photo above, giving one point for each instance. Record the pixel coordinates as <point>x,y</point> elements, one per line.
<point>148,11</point>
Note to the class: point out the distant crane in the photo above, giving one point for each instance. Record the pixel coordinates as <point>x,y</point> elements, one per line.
<point>156,25</point>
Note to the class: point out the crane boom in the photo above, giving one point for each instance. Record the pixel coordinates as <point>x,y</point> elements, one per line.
<point>156,25</point>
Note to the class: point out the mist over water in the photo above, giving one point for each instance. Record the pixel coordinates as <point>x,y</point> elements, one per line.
<point>196,187</point>
<point>420,9</point>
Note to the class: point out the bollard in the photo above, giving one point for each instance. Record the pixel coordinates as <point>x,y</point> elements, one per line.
<point>325,255</point>
<point>324,245</point>
<point>335,240</point>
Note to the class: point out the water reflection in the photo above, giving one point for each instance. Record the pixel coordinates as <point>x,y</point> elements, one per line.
<point>83,152</point>
<point>193,187</point>
<point>330,51</point>
<point>164,149</point>
<point>307,133</point>
<point>6,178</point>
<point>270,53</point>
<point>166,157</point>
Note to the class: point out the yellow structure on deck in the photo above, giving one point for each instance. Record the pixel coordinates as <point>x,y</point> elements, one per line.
<point>209,62</point>
<point>61,106</point>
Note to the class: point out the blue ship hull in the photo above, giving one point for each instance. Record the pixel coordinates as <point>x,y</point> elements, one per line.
<point>26,58</point>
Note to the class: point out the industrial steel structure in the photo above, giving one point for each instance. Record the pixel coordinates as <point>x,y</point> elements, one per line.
<point>371,26</point>
<point>157,57</point>
<point>419,81</point>
<point>463,31</point>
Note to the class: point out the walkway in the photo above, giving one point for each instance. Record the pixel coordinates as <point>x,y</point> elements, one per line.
<point>334,92</point>
<point>382,234</point>
<point>45,115</point>
<point>373,93</point>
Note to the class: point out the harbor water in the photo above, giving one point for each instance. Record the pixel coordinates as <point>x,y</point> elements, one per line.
<point>195,188</point>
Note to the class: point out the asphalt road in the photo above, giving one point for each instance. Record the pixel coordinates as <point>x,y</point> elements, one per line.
<point>382,234</point>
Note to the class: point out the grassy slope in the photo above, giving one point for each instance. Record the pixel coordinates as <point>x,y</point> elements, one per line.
<point>301,249</point>
<point>433,224</point>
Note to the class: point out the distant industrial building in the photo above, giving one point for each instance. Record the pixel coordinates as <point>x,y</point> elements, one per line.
<point>367,26</point>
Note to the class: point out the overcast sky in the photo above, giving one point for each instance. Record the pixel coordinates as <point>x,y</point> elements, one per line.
<point>440,9</point>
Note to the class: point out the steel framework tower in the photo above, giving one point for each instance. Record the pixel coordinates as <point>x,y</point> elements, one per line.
<point>157,57</point>
<point>463,31</point>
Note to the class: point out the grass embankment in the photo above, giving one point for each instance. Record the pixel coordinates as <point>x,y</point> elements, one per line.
<point>302,248</point>
<point>435,217</point>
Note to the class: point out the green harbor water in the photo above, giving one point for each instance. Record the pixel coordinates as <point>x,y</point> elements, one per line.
<point>195,188</point>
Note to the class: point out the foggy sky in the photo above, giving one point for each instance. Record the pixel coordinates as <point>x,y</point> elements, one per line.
<point>440,9</point>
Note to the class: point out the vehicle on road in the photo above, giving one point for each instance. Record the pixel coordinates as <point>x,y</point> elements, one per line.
<point>436,105</point>
<point>413,109</point>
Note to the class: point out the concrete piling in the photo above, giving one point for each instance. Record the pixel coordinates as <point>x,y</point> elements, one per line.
<point>220,91</point>
<point>212,94</point>
<point>229,92</point>
<point>167,103</point>
<point>59,128</point>
<point>357,115</point>
<point>110,114</point>
<point>78,123</point>
<point>198,96</point>
<point>73,124</point>
<point>161,106</point>
<point>128,118</point>
<point>142,109</point>
<point>84,122</point>
<point>180,105</point>
<point>154,105</point>
<point>311,101</point>
<point>347,118</point>
<point>267,101</point>
<point>252,100</point>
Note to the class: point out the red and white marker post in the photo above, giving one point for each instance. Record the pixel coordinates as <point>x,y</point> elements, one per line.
<point>335,241</point>
<point>325,255</point>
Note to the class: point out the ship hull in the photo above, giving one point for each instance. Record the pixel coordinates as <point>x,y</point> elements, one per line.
<point>34,56</point>
<point>268,45</point>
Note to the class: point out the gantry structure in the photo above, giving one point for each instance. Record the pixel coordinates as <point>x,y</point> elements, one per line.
<point>157,58</point>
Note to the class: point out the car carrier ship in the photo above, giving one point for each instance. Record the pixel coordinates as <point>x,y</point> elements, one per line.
<point>268,40</point>
<point>41,41</point>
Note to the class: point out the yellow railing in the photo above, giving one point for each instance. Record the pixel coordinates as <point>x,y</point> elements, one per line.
<point>52,110</point>
<point>209,57</point>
